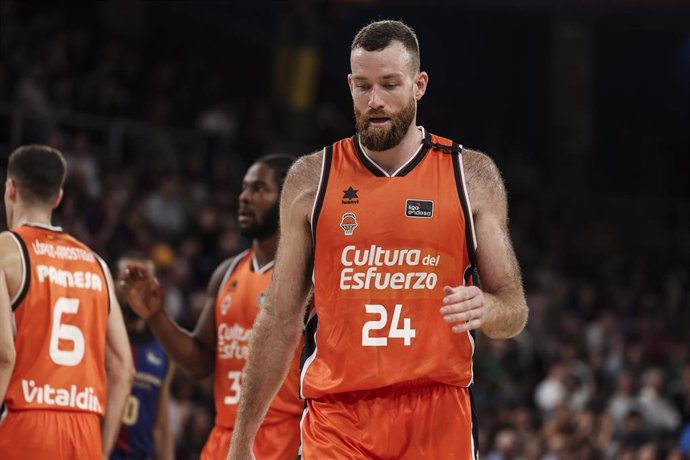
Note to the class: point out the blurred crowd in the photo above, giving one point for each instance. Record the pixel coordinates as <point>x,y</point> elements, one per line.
<point>602,370</point>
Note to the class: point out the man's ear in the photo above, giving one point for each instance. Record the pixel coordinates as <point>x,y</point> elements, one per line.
<point>11,188</point>
<point>420,84</point>
<point>58,199</point>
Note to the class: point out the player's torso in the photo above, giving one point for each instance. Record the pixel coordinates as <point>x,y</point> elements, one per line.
<point>384,249</point>
<point>139,419</point>
<point>61,313</point>
<point>239,300</point>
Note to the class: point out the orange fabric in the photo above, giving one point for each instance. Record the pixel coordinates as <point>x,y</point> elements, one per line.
<point>61,326</point>
<point>239,300</point>
<point>279,441</point>
<point>54,435</point>
<point>217,445</point>
<point>412,423</point>
<point>384,249</point>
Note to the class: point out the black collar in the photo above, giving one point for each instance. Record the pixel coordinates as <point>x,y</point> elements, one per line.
<point>377,171</point>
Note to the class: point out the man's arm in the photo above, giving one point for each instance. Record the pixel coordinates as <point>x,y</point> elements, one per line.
<point>193,352</point>
<point>278,326</point>
<point>499,308</point>
<point>164,447</point>
<point>10,282</point>
<point>7,352</point>
<point>119,370</point>
<point>11,263</point>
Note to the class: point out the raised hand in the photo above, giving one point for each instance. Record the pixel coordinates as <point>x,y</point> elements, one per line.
<point>141,290</point>
<point>464,307</point>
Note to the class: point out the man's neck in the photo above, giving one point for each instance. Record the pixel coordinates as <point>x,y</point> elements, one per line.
<point>392,159</point>
<point>265,250</point>
<point>25,215</point>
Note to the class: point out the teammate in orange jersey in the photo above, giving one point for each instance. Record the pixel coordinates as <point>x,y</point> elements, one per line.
<point>73,362</point>
<point>219,342</point>
<point>380,225</point>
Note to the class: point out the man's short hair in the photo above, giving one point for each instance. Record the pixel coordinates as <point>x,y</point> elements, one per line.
<point>39,172</point>
<point>280,164</point>
<point>378,35</point>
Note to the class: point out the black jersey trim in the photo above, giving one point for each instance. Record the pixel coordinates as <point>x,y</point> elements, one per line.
<point>364,159</point>
<point>309,349</point>
<point>26,265</point>
<point>475,426</point>
<point>456,152</point>
<point>378,172</point>
<point>321,191</point>
<point>309,342</point>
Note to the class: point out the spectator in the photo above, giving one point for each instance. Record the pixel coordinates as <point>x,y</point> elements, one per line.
<point>658,411</point>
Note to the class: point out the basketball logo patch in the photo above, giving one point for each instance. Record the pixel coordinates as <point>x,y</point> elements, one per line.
<point>348,223</point>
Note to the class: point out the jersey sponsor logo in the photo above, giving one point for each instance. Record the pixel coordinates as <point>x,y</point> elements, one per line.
<point>348,223</point>
<point>419,208</point>
<point>73,279</point>
<point>53,251</point>
<point>225,304</point>
<point>350,196</point>
<point>233,341</point>
<point>84,399</point>
<point>361,269</point>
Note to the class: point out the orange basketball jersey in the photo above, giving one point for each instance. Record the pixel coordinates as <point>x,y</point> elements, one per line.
<point>239,299</point>
<point>61,313</point>
<point>384,248</point>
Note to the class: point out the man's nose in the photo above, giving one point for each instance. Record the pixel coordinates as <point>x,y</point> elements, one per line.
<point>245,195</point>
<point>375,100</point>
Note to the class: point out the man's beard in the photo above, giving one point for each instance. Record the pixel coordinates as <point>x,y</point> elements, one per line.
<point>379,139</point>
<point>266,227</point>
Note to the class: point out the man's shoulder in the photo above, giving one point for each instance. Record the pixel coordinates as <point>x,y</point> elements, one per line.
<point>308,163</point>
<point>221,272</point>
<point>304,173</point>
<point>479,167</point>
<point>483,178</point>
<point>8,245</point>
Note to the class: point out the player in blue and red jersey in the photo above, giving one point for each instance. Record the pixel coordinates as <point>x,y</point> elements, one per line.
<point>145,433</point>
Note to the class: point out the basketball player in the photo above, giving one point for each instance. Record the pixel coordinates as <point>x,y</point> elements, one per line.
<point>70,339</point>
<point>236,294</point>
<point>381,223</point>
<point>145,432</point>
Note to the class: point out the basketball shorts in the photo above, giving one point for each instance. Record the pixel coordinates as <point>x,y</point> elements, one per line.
<point>276,441</point>
<point>48,434</point>
<point>412,422</point>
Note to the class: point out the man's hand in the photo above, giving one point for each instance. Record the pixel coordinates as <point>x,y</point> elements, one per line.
<point>141,290</point>
<point>465,305</point>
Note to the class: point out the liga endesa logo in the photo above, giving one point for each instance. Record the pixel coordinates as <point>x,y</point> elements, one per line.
<point>419,208</point>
